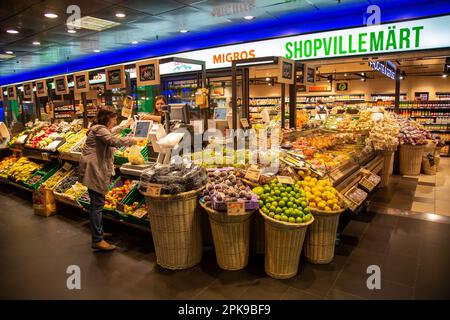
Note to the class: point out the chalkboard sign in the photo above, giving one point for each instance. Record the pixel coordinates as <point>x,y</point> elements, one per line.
<point>61,85</point>
<point>12,93</point>
<point>286,71</point>
<point>81,82</point>
<point>41,88</point>
<point>28,90</point>
<point>147,72</point>
<point>115,77</point>
<point>311,75</point>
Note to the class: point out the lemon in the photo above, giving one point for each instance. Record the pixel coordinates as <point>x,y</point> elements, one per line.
<point>312,204</point>
<point>336,207</point>
<point>308,179</point>
<point>327,208</point>
<point>318,200</point>
<point>321,205</point>
<point>330,203</point>
<point>317,194</point>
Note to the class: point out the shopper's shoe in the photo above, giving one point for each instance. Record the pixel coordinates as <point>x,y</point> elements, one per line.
<point>107,235</point>
<point>104,246</point>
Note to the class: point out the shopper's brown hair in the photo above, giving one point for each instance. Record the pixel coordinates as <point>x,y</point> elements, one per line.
<point>104,114</point>
<point>160,97</point>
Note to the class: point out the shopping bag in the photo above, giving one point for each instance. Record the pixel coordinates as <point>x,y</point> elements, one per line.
<point>136,156</point>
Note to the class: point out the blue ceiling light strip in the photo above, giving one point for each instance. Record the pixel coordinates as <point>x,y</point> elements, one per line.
<point>342,17</point>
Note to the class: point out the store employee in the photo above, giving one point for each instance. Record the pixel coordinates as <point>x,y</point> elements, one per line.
<point>158,114</point>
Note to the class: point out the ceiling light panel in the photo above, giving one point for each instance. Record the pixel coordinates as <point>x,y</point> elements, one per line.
<point>92,23</point>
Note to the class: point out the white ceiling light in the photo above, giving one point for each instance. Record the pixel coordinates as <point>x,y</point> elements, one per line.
<point>345,74</point>
<point>92,23</point>
<point>249,17</point>
<point>96,51</point>
<point>444,75</point>
<point>36,43</point>
<point>12,31</point>
<point>135,42</point>
<point>120,15</point>
<point>9,52</point>
<point>183,31</point>
<point>72,31</point>
<point>267,79</point>
<point>51,15</point>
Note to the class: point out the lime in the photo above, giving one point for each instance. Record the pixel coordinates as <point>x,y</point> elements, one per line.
<point>293,194</point>
<point>304,204</point>
<point>299,220</point>
<point>272,193</point>
<point>298,201</point>
<point>308,217</point>
<point>292,220</point>
<point>277,192</point>
<point>284,218</point>
<point>290,204</point>
<point>273,208</point>
<point>277,216</point>
<point>282,203</point>
<point>285,199</point>
<point>294,206</point>
<point>265,210</point>
<point>288,189</point>
<point>271,214</point>
<point>279,210</point>
<point>306,210</point>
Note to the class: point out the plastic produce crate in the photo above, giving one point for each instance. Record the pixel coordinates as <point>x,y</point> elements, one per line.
<point>45,174</point>
<point>122,160</point>
<point>84,201</point>
<point>118,183</point>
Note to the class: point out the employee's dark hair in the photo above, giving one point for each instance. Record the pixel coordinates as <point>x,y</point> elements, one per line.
<point>104,114</point>
<point>160,97</point>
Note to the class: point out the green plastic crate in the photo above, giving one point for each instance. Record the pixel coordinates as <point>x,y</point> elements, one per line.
<point>116,183</point>
<point>125,132</point>
<point>122,160</point>
<point>46,173</point>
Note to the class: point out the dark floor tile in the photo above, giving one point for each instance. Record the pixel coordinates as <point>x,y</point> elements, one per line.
<point>341,295</point>
<point>355,229</point>
<point>432,282</point>
<point>400,269</point>
<point>296,294</point>
<point>405,245</point>
<point>351,283</point>
<point>385,220</point>
<point>409,227</point>
<point>265,289</point>
<point>392,291</point>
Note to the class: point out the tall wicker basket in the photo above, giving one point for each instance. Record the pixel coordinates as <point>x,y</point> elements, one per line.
<point>388,166</point>
<point>321,237</point>
<point>284,243</point>
<point>176,229</point>
<point>411,159</point>
<point>231,236</point>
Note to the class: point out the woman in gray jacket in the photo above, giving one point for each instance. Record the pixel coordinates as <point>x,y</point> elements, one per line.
<point>97,168</point>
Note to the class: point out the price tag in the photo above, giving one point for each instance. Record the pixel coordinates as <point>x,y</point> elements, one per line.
<point>285,180</point>
<point>253,174</point>
<point>154,189</point>
<point>244,122</point>
<point>45,156</point>
<point>67,166</point>
<point>235,208</point>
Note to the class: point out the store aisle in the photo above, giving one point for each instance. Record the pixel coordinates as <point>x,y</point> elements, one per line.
<point>413,255</point>
<point>422,194</point>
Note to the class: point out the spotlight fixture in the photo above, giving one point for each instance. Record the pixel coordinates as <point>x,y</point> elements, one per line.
<point>249,17</point>
<point>363,74</point>
<point>135,42</point>
<point>120,15</point>
<point>363,79</point>
<point>444,75</point>
<point>96,51</point>
<point>267,79</point>
<point>12,31</point>
<point>36,43</point>
<point>72,31</point>
<point>9,52</point>
<point>51,15</point>
<point>183,30</point>
<point>345,74</point>
<point>402,75</point>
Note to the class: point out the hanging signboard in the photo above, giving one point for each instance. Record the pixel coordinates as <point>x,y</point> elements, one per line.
<point>41,88</point>
<point>81,82</point>
<point>286,72</point>
<point>61,86</point>
<point>147,72</point>
<point>12,92</point>
<point>115,77</point>
<point>383,67</point>
<point>342,86</point>
<point>28,91</point>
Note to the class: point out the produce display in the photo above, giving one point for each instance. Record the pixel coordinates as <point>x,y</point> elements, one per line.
<point>55,178</point>
<point>72,138</point>
<point>35,178</point>
<point>174,178</point>
<point>117,194</point>
<point>22,169</point>
<point>66,183</point>
<point>7,162</point>
<point>75,191</point>
<point>384,133</point>
<point>412,133</point>
<point>356,123</point>
<point>283,202</point>
<point>43,137</point>
<point>224,186</point>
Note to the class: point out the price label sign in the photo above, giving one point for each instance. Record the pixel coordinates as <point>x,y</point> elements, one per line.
<point>45,156</point>
<point>253,174</point>
<point>67,166</point>
<point>154,189</point>
<point>244,123</point>
<point>285,180</point>
<point>235,208</point>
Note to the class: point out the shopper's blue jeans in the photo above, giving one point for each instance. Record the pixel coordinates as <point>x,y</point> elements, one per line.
<point>95,215</point>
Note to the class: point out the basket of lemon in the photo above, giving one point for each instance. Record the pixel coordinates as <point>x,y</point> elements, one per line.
<point>325,205</point>
<point>286,219</point>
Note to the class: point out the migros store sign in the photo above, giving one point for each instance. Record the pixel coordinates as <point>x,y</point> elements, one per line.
<point>423,34</point>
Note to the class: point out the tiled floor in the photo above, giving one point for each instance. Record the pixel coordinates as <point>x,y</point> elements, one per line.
<point>420,194</point>
<point>413,255</point>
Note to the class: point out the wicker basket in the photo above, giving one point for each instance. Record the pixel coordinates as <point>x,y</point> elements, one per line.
<point>176,229</point>
<point>231,236</point>
<point>437,157</point>
<point>321,237</point>
<point>283,246</point>
<point>206,227</point>
<point>410,159</point>
<point>257,234</point>
<point>427,168</point>
<point>388,167</point>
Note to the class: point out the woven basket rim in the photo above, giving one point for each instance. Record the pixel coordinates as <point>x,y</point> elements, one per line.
<point>250,183</point>
<point>325,213</point>
<point>181,195</point>
<point>286,225</point>
<point>417,146</point>
<point>212,212</point>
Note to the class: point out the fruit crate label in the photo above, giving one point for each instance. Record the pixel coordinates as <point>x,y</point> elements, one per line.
<point>235,208</point>
<point>154,189</point>
<point>285,180</point>
<point>45,156</point>
<point>67,166</point>
<point>253,174</point>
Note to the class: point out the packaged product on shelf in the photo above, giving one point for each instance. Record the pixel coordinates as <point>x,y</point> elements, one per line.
<point>174,178</point>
